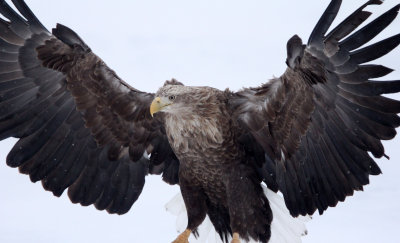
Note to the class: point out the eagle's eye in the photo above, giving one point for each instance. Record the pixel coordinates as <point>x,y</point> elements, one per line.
<point>171,97</point>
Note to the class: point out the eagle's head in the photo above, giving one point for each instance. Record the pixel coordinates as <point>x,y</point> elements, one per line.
<point>180,99</point>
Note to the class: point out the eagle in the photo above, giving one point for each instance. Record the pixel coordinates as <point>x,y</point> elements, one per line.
<point>308,134</point>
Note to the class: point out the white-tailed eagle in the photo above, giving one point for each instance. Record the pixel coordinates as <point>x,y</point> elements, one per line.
<point>307,133</point>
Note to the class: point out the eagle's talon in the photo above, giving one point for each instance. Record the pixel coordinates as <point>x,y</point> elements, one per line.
<point>183,238</point>
<point>235,238</point>
<point>180,240</point>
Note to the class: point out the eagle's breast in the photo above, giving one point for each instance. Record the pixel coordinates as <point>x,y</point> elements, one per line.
<point>203,128</point>
<point>193,133</point>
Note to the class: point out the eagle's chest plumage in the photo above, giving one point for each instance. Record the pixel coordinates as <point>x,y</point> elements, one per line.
<point>193,134</point>
<point>205,146</point>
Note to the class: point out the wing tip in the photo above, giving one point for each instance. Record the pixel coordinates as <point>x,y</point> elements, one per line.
<point>69,37</point>
<point>295,51</point>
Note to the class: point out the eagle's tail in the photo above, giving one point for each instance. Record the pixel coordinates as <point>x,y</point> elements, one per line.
<point>284,228</point>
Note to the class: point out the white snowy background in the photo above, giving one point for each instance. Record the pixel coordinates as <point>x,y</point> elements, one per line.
<point>217,43</point>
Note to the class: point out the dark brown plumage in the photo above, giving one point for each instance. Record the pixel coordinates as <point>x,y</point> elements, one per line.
<point>306,133</point>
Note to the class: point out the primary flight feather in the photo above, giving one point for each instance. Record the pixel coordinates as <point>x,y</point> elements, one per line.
<point>306,134</point>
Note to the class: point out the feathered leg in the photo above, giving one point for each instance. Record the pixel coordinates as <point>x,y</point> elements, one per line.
<point>195,203</point>
<point>250,214</point>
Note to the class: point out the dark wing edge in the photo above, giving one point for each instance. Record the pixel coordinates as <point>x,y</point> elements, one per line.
<point>69,138</point>
<point>316,123</point>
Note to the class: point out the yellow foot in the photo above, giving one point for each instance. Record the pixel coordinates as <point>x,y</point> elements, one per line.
<point>235,238</point>
<point>183,238</point>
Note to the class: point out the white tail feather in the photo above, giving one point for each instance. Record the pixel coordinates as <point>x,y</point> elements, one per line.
<point>284,228</point>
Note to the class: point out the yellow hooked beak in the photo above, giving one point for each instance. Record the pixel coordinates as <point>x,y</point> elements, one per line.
<point>155,106</point>
<point>158,104</point>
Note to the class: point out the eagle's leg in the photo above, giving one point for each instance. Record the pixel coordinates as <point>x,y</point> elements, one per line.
<point>195,203</point>
<point>249,210</point>
<point>184,237</point>
<point>235,238</point>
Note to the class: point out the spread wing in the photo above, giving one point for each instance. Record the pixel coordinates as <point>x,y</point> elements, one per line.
<point>79,125</point>
<point>311,129</point>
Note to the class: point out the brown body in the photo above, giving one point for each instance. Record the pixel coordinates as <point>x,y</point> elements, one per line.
<point>214,174</point>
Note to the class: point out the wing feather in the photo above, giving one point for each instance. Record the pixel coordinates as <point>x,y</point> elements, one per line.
<point>79,125</point>
<point>318,121</point>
